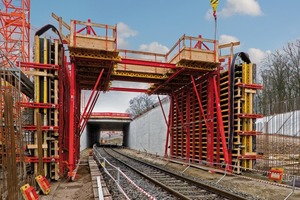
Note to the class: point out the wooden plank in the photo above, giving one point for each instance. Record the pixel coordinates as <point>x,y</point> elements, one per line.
<point>93,42</point>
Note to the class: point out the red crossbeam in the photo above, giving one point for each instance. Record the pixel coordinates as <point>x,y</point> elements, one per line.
<point>43,128</point>
<point>120,89</point>
<point>147,63</point>
<point>250,86</point>
<point>253,133</point>
<point>38,65</point>
<point>250,116</point>
<point>109,114</point>
<point>29,159</point>
<point>168,80</point>
<point>38,105</point>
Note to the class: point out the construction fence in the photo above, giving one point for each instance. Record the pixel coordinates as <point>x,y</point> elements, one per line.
<point>279,143</point>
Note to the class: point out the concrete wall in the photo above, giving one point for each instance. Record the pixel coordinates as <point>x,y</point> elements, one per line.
<point>145,133</point>
<point>83,140</point>
<point>148,131</point>
<point>90,136</point>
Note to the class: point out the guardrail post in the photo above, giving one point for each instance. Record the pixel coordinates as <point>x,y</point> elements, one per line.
<point>294,181</point>
<point>118,175</point>
<point>223,175</point>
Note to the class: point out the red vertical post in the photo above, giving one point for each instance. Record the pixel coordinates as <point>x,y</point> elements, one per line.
<point>220,124</point>
<point>193,132</point>
<point>62,132</point>
<point>74,37</point>
<point>210,121</point>
<point>200,125</point>
<point>78,94</point>
<point>170,126</point>
<point>229,108</point>
<point>88,27</point>
<point>187,127</point>
<point>218,153</point>
<point>72,121</point>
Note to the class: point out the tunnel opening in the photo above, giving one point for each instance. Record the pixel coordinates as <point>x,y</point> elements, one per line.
<point>106,133</point>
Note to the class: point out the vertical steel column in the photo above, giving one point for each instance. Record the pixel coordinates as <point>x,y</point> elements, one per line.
<point>72,120</point>
<point>170,130</point>
<point>193,126</point>
<point>210,121</point>
<point>229,107</point>
<point>220,124</point>
<point>218,131</point>
<point>200,122</point>
<point>187,125</point>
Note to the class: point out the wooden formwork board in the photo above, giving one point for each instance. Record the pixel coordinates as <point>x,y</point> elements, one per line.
<point>92,42</point>
<point>193,54</point>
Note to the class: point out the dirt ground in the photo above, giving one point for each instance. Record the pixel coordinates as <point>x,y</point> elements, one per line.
<point>81,187</point>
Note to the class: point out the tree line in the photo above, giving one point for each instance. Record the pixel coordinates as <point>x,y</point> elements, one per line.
<point>280,77</point>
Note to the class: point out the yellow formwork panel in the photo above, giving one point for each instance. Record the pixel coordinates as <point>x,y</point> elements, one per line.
<point>45,95</point>
<point>36,93</point>
<point>247,108</point>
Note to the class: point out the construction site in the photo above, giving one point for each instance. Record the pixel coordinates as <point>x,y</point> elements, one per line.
<point>207,114</point>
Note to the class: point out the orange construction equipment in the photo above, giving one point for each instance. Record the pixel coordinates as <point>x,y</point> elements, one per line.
<point>29,192</point>
<point>43,183</point>
<point>15,29</point>
<point>275,175</point>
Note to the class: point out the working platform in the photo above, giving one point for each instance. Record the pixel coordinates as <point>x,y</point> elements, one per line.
<point>93,48</point>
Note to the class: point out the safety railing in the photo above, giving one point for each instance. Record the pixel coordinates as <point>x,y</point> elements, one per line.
<point>108,167</point>
<point>193,48</point>
<point>142,61</point>
<point>93,36</point>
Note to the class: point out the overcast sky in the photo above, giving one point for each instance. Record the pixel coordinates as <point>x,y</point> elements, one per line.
<point>261,26</point>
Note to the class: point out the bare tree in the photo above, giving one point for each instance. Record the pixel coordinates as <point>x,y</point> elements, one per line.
<point>280,78</point>
<point>139,104</point>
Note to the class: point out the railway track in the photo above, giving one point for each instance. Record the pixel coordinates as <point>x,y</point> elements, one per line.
<point>178,186</point>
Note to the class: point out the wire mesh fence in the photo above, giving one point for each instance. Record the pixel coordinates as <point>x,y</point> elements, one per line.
<point>279,144</point>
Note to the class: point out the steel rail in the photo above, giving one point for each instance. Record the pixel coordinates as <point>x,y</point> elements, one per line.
<point>175,193</point>
<point>204,186</point>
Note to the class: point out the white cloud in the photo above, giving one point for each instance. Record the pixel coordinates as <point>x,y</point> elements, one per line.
<point>124,32</point>
<point>242,7</point>
<point>154,47</point>
<point>225,39</point>
<point>257,55</point>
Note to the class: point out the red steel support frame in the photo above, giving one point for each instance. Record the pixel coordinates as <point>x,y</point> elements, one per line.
<point>200,124</point>
<point>203,116</point>
<point>162,109</point>
<point>193,109</point>
<point>85,115</point>
<point>72,129</point>
<point>187,125</point>
<point>220,122</point>
<point>210,122</point>
<point>170,133</point>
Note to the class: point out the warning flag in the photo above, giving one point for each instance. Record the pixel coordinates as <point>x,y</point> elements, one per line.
<point>214,4</point>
